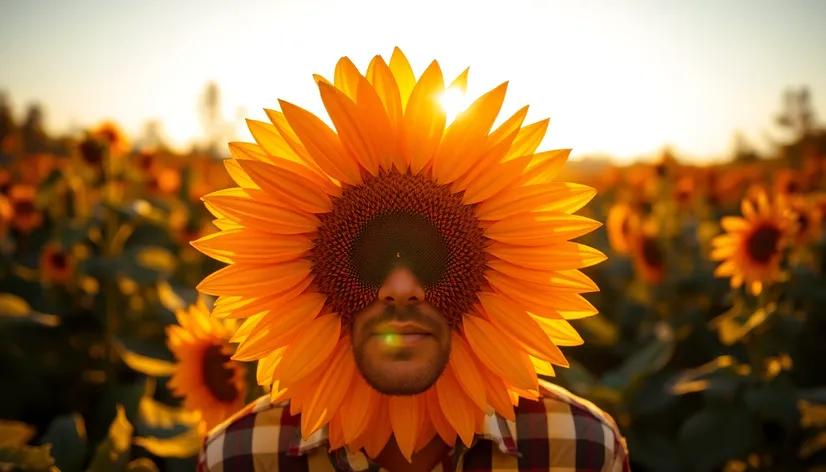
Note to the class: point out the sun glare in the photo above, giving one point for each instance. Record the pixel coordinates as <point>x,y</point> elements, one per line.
<point>453,102</point>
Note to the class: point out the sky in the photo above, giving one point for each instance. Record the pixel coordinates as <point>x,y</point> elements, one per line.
<point>623,78</point>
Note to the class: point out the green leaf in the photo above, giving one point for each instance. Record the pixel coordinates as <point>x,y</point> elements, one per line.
<point>646,361</point>
<point>775,400</point>
<point>181,446</point>
<point>141,465</point>
<point>146,365</point>
<point>654,451</point>
<point>27,458</point>
<point>15,433</point>
<point>714,435</point>
<point>113,452</point>
<point>67,435</point>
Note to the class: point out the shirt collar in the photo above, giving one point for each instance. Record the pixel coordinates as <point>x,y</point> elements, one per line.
<point>496,429</point>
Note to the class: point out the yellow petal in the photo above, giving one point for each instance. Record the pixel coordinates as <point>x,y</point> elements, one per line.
<point>489,185</point>
<point>553,196</point>
<point>496,351</point>
<point>322,144</point>
<point>405,419</point>
<point>275,330</point>
<point>507,276</point>
<point>521,328</point>
<point>238,175</point>
<point>726,269</point>
<point>480,167</point>
<point>529,138</point>
<point>299,152</point>
<point>253,208</point>
<point>543,367</point>
<point>460,82</point>
<point>255,280</point>
<point>461,360</point>
<point>457,407</point>
<point>245,307</point>
<point>424,119</point>
<point>388,91</point>
<point>734,224</point>
<point>573,306</point>
<point>250,245</point>
<point>545,166</point>
<point>465,139</point>
<point>252,151</point>
<point>540,228</point>
<point>312,347</point>
<point>559,256</point>
<point>311,173</point>
<point>272,143</point>
<point>289,187</point>
<point>403,74</point>
<point>560,331</point>
<point>346,77</point>
<point>496,394</point>
<point>266,367</point>
<point>330,390</point>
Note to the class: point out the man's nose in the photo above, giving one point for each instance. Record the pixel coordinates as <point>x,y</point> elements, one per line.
<point>401,288</point>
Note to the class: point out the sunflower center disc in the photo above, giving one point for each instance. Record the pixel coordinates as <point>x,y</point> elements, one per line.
<point>217,376</point>
<point>762,244</point>
<point>651,252</point>
<point>397,219</point>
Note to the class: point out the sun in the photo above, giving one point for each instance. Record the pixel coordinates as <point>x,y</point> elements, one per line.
<point>453,102</point>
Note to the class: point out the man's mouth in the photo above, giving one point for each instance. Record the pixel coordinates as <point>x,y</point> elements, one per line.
<point>405,334</point>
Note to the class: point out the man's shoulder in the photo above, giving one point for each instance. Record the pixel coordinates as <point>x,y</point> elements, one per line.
<point>261,429</point>
<point>574,426</point>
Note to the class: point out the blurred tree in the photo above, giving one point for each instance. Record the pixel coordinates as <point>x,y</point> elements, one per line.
<point>32,131</point>
<point>742,150</point>
<point>211,118</point>
<point>7,124</point>
<point>153,136</point>
<point>798,118</point>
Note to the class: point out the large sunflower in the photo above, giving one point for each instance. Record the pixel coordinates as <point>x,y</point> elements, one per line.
<point>320,213</point>
<point>208,380</point>
<point>752,248</point>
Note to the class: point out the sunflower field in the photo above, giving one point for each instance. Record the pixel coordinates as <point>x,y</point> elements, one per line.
<point>708,348</point>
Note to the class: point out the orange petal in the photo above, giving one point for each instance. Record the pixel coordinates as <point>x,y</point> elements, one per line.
<point>346,77</point>
<point>311,347</point>
<point>376,437</point>
<point>529,138</point>
<point>523,329</point>
<point>252,151</point>
<point>545,166</point>
<point>465,137</point>
<point>553,196</point>
<point>573,306</point>
<point>249,245</point>
<point>440,423</point>
<point>424,119</point>
<point>484,164</point>
<point>506,277</point>
<point>559,256</point>
<point>388,91</point>
<point>496,393</point>
<point>266,367</point>
<point>540,228</point>
<point>336,432</point>
<point>277,329</point>
<point>403,74</point>
<point>457,407</point>
<point>460,82</point>
<point>255,280</point>
<point>253,208</point>
<point>356,406</point>
<point>734,224</point>
<point>299,152</point>
<point>322,144</point>
<point>426,429</point>
<point>238,175</point>
<point>330,390</point>
<point>491,184</point>
<point>405,419</point>
<point>246,307</point>
<point>461,360</point>
<point>313,174</point>
<point>496,351</point>
<point>294,189</point>
<point>543,367</point>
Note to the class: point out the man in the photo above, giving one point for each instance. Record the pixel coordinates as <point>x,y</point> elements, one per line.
<point>560,432</point>
<point>404,280</point>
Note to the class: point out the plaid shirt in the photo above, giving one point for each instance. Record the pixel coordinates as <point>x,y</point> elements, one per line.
<point>559,433</point>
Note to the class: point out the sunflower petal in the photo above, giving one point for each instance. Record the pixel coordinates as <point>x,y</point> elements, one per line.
<point>403,74</point>
<point>545,166</point>
<point>255,280</point>
<point>346,77</point>
<point>252,246</point>
<point>246,307</point>
<point>553,196</point>
<point>560,331</point>
<point>405,419</point>
<point>282,184</point>
<point>496,351</point>
<point>239,175</point>
<point>461,360</point>
<point>388,91</point>
<point>322,144</point>
<point>540,228</point>
<point>266,367</point>
<point>529,138</point>
<point>507,276</point>
<point>356,406</point>
<point>330,390</point>
<point>734,224</point>
<point>522,328</point>
<point>424,119</point>
<point>312,347</point>
<point>255,209</point>
<point>559,256</point>
<point>444,429</point>
<point>457,407</point>
<point>491,184</point>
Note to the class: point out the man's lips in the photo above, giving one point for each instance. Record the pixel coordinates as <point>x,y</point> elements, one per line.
<point>405,328</point>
